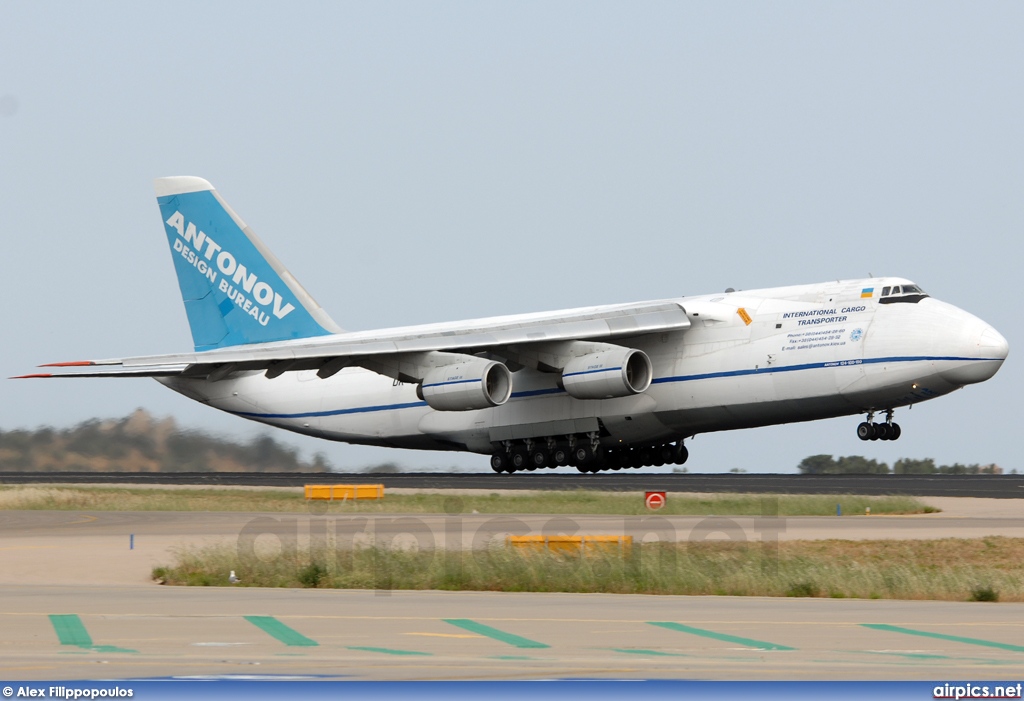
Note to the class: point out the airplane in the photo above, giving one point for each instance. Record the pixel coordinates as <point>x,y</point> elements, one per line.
<point>599,388</point>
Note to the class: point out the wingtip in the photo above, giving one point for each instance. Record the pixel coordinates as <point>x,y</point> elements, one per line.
<point>32,376</point>
<point>69,364</point>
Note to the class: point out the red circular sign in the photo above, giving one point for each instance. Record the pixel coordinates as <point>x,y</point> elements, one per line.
<point>654,500</point>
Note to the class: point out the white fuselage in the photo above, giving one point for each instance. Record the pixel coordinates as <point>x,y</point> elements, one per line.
<point>749,359</point>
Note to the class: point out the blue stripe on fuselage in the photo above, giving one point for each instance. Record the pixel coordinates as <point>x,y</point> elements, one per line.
<point>590,372</point>
<point>660,380</point>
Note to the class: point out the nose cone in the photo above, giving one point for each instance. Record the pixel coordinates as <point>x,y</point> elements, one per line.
<point>982,350</point>
<point>992,344</point>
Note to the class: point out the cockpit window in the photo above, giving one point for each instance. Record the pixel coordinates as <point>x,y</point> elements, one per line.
<point>908,294</point>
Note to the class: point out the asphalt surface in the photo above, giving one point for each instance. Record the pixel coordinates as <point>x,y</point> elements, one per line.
<point>60,632</point>
<point>987,486</point>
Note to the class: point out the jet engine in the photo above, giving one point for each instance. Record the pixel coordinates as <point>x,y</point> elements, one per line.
<point>619,372</point>
<point>473,384</point>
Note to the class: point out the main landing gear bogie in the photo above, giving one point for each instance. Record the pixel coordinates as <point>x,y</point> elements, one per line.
<point>586,455</point>
<point>885,431</point>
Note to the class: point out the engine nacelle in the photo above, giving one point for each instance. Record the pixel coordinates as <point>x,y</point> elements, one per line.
<point>605,374</point>
<point>474,384</point>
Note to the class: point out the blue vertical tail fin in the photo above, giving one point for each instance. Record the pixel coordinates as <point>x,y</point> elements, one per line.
<point>235,290</point>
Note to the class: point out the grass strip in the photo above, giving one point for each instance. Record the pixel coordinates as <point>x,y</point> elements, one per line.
<point>942,636</point>
<point>746,642</point>
<point>567,502</point>
<point>965,569</point>
<point>500,635</point>
<point>286,634</point>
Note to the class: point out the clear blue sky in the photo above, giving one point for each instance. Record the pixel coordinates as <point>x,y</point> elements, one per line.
<point>418,162</point>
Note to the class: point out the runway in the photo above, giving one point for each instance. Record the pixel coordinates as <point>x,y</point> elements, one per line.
<point>57,632</point>
<point>76,601</point>
<point>982,486</point>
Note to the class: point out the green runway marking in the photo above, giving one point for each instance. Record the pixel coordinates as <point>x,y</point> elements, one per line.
<point>71,631</point>
<point>274,628</point>
<point>923,656</point>
<point>510,657</point>
<point>387,651</point>
<point>110,648</point>
<point>747,642</point>
<point>942,636</point>
<point>481,629</point>
<point>647,652</point>
<point>910,655</point>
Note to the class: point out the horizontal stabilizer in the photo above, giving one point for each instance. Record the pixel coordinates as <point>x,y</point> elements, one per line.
<point>115,371</point>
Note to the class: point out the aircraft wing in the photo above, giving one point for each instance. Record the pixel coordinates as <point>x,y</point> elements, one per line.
<point>501,336</point>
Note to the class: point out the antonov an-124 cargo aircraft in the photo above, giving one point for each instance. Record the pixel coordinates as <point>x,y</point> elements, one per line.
<point>610,387</point>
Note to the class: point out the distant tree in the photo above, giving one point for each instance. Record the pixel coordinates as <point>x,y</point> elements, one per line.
<point>849,465</point>
<point>817,465</point>
<point>141,443</point>
<point>909,466</point>
<point>857,465</point>
<point>384,468</point>
<point>975,469</point>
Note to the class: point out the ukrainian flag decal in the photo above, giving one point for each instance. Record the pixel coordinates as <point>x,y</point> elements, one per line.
<point>867,292</point>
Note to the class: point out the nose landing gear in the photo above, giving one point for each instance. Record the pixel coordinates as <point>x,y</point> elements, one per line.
<point>887,431</point>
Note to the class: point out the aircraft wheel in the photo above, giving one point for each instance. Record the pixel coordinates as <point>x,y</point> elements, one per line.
<point>644,457</point>
<point>667,453</point>
<point>681,454</point>
<point>583,468</point>
<point>560,455</point>
<point>882,431</point>
<point>896,432</point>
<point>519,459</point>
<point>539,458</point>
<point>865,431</point>
<point>583,454</point>
<point>498,462</point>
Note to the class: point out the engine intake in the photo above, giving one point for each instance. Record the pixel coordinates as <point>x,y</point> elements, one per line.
<point>606,374</point>
<point>475,384</point>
